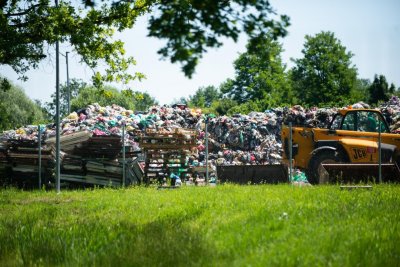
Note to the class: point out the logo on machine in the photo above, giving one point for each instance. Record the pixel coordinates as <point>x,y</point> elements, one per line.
<point>359,153</point>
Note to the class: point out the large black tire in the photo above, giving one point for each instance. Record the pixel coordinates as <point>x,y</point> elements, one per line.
<point>316,173</point>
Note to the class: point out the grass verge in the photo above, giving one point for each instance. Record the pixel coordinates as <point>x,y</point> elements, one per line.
<point>227,225</point>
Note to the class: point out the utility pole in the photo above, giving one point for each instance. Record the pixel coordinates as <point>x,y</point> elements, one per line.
<point>57,113</point>
<point>40,155</point>
<point>379,153</point>
<point>206,136</point>
<point>123,155</point>
<point>68,88</point>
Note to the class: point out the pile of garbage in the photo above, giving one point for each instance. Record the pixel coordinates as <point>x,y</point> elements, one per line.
<point>311,117</point>
<point>391,112</point>
<point>240,139</point>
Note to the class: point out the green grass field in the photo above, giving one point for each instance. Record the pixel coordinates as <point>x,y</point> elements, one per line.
<point>265,225</point>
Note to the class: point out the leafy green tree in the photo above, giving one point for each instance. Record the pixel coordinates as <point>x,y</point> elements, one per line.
<point>221,107</point>
<point>246,108</point>
<point>360,91</point>
<point>392,89</point>
<point>325,75</point>
<point>379,90</point>
<point>75,87</point>
<point>142,101</point>
<point>204,97</point>
<point>109,95</point>
<point>16,109</point>
<point>260,75</point>
<point>5,84</point>
<point>189,28</point>
<point>45,111</point>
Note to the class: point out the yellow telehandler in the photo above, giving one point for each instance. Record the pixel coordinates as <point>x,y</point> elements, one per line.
<point>348,149</point>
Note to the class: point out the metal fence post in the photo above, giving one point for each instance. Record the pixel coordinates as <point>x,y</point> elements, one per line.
<point>123,154</point>
<point>68,86</point>
<point>379,153</point>
<point>290,152</point>
<point>206,150</point>
<point>40,156</point>
<point>57,113</point>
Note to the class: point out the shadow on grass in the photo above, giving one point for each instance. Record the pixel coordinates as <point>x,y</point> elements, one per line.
<point>167,241</point>
<point>160,243</point>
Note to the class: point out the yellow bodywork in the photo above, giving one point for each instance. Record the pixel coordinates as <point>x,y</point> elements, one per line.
<point>360,147</point>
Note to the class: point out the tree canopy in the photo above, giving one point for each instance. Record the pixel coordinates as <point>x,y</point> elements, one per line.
<point>379,90</point>
<point>260,75</point>
<point>75,87</point>
<point>325,74</point>
<point>16,109</point>
<point>188,27</point>
<point>204,97</point>
<point>110,95</point>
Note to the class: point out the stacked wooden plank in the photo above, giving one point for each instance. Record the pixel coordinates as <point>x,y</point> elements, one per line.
<point>85,144</point>
<point>166,152</point>
<point>95,160</point>
<point>71,164</point>
<point>178,139</point>
<point>105,147</point>
<point>70,142</point>
<point>108,170</point>
<point>23,156</point>
<point>4,163</point>
<point>135,172</point>
<point>105,172</point>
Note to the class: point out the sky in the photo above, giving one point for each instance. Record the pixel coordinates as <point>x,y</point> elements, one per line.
<point>370,29</point>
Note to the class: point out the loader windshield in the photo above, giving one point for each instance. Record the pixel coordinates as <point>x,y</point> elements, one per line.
<point>359,120</point>
<point>336,122</point>
<point>349,122</point>
<point>369,121</point>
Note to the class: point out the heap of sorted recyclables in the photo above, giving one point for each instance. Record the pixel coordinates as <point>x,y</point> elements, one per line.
<point>391,112</point>
<point>237,140</point>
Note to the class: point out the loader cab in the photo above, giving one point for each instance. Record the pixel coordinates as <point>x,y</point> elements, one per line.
<point>360,120</point>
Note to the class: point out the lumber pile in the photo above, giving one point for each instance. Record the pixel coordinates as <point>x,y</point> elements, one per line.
<point>95,160</point>
<point>105,173</point>
<point>85,158</point>
<point>86,144</point>
<point>4,164</point>
<point>23,157</point>
<point>166,153</point>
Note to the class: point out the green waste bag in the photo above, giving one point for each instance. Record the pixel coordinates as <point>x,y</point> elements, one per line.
<point>112,123</point>
<point>300,177</point>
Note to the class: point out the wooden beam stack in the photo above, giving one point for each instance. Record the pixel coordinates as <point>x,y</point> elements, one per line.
<point>166,152</point>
